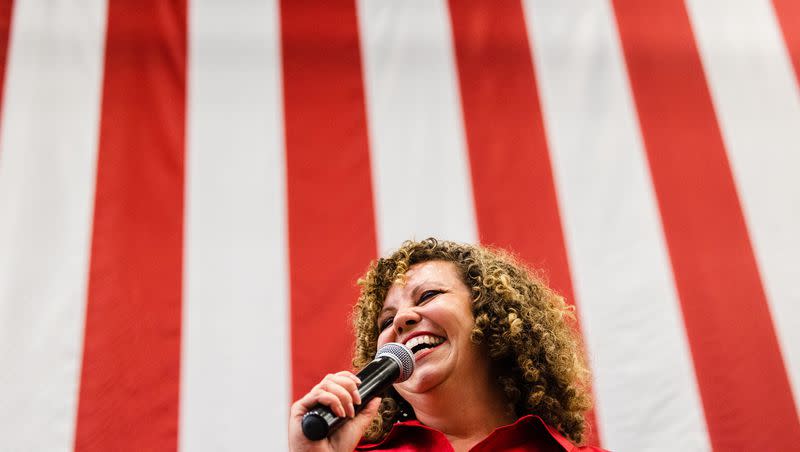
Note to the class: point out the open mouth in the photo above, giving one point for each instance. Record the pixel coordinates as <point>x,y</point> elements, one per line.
<point>423,342</point>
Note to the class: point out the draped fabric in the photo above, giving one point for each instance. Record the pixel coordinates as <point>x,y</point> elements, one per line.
<point>190,189</point>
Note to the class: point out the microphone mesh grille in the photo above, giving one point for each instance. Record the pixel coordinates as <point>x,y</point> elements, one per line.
<point>402,355</point>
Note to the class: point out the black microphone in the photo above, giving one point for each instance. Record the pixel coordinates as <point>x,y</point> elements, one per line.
<point>393,363</point>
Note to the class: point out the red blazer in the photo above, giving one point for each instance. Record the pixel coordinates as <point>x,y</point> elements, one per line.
<point>528,433</point>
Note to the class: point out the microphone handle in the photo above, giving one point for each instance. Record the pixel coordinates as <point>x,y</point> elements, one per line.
<point>320,421</point>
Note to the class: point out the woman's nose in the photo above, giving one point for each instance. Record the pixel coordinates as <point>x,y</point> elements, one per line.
<point>405,319</point>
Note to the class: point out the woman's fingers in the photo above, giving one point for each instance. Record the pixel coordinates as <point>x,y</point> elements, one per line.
<point>333,402</point>
<point>343,397</point>
<point>316,396</point>
<point>337,391</point>
<point>349,382</point>
<point>350,375</point>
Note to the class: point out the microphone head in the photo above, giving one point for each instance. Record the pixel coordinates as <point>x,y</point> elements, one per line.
<point>402,355</point>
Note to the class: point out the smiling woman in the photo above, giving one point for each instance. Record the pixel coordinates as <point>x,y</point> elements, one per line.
<point>498,360</point>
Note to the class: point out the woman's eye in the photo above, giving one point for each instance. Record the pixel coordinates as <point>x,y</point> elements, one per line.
<point>385,324</point>
<point>428,294</point>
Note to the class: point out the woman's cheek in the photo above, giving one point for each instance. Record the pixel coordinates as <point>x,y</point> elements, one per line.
<point>384,337</point>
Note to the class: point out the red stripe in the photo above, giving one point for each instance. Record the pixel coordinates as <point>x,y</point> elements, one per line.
<point>130,376</point>
<point>515,198</point>
<point>6,10</point>
<point>331,219</point>
<point>741,376</point>
<point>788,12</point>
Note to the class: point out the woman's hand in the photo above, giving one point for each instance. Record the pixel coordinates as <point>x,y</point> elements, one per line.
<point>340,393</point>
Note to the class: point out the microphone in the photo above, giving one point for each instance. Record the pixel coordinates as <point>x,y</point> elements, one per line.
<point>393,363</point>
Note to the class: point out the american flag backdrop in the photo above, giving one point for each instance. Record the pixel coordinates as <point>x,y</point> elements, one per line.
<point>190,189</point>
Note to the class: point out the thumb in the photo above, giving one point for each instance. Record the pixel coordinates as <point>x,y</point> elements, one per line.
<point>351,432</point>
<point>362,420</point>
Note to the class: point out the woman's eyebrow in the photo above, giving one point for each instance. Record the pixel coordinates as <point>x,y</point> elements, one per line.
<point>424,283</point>
<point>385,310</point>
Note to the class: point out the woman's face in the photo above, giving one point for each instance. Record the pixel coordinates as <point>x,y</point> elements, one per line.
<point>432,314</point>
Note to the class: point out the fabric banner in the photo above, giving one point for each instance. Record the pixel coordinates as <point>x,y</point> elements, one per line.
<point>190,189</point>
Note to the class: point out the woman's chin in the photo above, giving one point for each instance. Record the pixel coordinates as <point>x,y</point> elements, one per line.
<point>431,370</point>
<point>422,381</point>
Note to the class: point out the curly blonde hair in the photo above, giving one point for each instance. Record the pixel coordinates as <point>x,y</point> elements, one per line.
<point>527,328</point>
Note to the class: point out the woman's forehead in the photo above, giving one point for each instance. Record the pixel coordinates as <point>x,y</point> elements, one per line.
<point>438,272</point>
<point>441,270</point>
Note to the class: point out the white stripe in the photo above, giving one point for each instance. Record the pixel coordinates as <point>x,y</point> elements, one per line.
<point>755,94</point>
<point>48,155</point>
<point>643,376</point>
<point>235,362</point>
<point>419,163</point>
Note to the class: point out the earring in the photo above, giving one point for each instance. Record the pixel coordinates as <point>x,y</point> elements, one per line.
<point>404,413</point>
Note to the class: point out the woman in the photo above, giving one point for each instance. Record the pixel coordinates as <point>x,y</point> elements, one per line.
<point>498,363</point>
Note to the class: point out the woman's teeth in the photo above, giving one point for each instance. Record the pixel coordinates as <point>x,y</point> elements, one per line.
<point>418,343</point>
